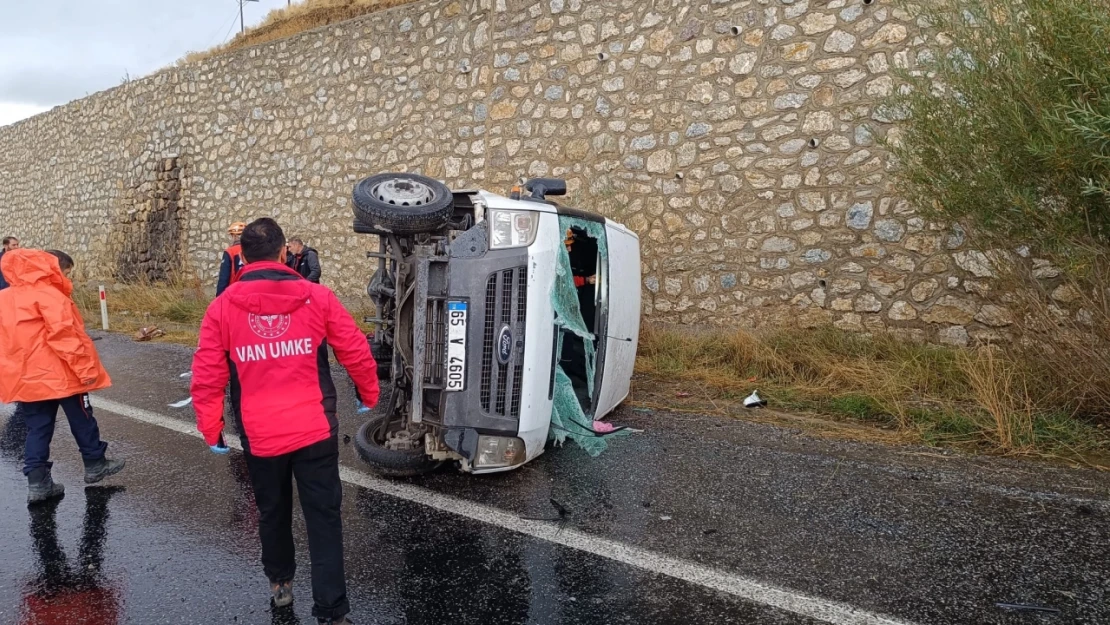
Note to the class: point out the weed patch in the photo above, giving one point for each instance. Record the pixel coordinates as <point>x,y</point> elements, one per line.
<point>980,399</point>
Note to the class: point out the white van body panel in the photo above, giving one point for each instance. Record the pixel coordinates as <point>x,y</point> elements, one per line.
<point>624,317</point>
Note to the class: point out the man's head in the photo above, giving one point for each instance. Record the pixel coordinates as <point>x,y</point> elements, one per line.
<point>263,240</point>
<point>64,261</point>
<point>11,243</point>
<point>296,245</point>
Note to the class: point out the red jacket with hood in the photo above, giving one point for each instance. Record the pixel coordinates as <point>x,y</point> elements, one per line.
<point>268,334</point>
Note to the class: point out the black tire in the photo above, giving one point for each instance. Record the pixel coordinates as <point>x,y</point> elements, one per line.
<point>426,209</point>
<point>388,462</point>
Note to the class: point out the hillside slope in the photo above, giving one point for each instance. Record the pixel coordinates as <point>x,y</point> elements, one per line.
<point>300,17</point>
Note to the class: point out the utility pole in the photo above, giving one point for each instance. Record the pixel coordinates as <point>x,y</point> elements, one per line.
<point>242,26</point>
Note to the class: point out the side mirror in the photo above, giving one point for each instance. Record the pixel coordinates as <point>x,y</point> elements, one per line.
<point>540,188</point>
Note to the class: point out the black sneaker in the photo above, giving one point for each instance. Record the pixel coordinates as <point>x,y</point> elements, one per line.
<point>330,621</point>
<point>41,487</point>
<point>282,594</point>
<point>97,470</point>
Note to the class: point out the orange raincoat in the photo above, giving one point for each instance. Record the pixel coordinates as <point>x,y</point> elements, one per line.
<point>44,350</point>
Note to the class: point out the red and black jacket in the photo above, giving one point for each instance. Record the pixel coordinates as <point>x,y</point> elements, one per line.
<point>268,334</point>
<point>231,267</point>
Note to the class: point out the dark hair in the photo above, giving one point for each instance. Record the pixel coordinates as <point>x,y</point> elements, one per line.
<point>64,261</point>
<point>262,240</point>
<point>297,240</point>
<point>8,240</point>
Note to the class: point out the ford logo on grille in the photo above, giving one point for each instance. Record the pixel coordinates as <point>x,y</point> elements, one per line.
<point>505,345</point>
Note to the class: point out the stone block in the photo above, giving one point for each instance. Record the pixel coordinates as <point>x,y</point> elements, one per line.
<point>995,316</point>
<point>886,283</point>
<point>950,310</point>
<point>859,216</point>
<point>868,303</point>
<point>839,42</point>
<point>901,311</point>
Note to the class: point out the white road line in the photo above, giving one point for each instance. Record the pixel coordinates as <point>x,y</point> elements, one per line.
<point>739,586</point>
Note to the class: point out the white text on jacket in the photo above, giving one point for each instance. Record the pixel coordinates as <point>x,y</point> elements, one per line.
<point>277,349</point>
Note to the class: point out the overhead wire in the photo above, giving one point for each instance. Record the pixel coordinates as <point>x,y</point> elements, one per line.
<point>231,24</point>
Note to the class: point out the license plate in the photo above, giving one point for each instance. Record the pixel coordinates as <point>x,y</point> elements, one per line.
<point>456,346</point>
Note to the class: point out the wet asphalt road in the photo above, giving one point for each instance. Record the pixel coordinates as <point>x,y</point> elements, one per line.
<point>904,532</point>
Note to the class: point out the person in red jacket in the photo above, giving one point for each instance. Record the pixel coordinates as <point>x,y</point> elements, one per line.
<point>268,334</point>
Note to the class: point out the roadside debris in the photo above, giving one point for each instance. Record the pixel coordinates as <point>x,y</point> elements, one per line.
<point>683,394</point>
<point>187,374</point>
<point>148,333</point>
<point>562,513</point>
<point>754,401</point>
<point>1022,607</point>
<point>182,403</point>
<point>602,427</point>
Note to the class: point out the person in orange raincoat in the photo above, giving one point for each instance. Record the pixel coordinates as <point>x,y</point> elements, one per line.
<point>47,361</point>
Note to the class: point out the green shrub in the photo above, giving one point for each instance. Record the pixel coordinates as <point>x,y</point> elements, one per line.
<point>1007,121</point>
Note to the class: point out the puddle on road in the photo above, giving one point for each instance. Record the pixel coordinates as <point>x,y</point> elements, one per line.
<point>72,590</point>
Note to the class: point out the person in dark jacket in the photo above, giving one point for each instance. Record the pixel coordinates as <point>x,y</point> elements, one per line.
<point>10,243</point>
<point>304,260</point>
<point>269,334</point>
<point>232,263</point>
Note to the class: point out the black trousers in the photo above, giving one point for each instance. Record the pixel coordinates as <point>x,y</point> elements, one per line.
<point>40,417</point>
<point>316,469</point>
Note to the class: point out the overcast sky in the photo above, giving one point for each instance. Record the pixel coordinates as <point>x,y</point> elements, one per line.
<point>54,51</point>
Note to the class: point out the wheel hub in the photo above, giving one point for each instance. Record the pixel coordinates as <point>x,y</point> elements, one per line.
<point>403,192</point>
<point>404,440</point>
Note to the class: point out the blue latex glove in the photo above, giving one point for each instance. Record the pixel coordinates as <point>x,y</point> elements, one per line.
<point>362,408</point>
<point>220,447</point>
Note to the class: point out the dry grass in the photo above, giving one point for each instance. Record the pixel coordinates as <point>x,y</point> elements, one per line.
<point>978,399</point>
<point>1070,340</point>
<point>298,18</point>
<point>177,308</point>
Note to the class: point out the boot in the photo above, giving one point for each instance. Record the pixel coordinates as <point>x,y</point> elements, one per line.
<point>97,470</point>
<point>282,594</point>
<point>41,487</point>
<point>339,621</point>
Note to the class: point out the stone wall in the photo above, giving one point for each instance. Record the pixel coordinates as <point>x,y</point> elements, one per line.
<point>737,137</point>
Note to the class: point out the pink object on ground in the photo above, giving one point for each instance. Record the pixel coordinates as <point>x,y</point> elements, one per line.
<point>602,427</point>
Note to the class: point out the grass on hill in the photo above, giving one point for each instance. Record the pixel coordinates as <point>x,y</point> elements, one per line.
<point>299,17</point>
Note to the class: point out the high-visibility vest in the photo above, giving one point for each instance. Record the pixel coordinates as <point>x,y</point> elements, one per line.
<point>237,262</point>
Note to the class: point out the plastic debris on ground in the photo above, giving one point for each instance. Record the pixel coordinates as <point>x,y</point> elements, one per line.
<point>182,403</point>
<point>754,401</point>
